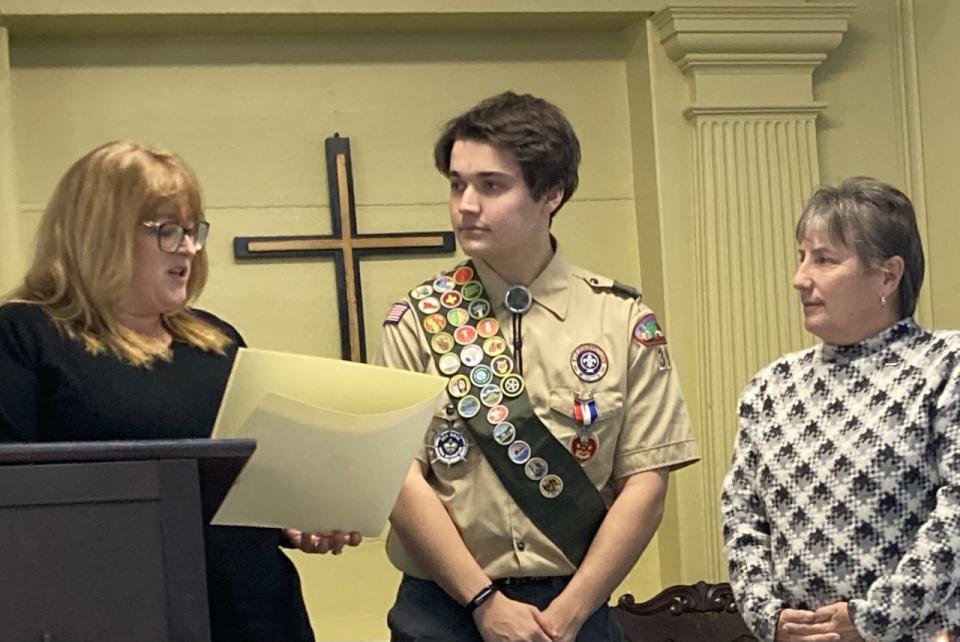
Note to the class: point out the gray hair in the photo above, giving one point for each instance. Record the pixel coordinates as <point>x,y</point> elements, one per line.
<point>877,221</point>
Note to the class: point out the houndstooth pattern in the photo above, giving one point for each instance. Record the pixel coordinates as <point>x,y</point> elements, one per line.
<point>845,486</point>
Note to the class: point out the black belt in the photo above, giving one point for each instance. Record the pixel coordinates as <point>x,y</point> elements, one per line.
<point>542,579</point>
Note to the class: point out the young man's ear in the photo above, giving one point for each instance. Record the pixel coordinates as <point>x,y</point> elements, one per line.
<point>553,198</point>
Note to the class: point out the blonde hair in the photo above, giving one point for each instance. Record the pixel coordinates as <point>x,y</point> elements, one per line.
<point>83,260</point>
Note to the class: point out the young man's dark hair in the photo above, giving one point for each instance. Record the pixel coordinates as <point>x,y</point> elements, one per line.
<point>534,131</point>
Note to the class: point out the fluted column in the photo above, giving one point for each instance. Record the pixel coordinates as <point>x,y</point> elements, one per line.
<point>10,252</point>
<point>752,121</point>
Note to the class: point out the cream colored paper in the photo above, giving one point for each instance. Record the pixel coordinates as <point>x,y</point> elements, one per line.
<point>334,440</point>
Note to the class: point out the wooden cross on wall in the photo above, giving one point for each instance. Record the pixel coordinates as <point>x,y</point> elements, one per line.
<point>345,246</point>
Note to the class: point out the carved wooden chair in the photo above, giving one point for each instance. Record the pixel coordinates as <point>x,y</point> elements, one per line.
<point>698,613</point>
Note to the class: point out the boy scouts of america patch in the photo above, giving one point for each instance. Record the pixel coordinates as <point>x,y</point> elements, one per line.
<point>396,313</point>
<point>648,333</point>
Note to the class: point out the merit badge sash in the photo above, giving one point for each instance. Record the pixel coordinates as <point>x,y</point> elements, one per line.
<point>544,478</point>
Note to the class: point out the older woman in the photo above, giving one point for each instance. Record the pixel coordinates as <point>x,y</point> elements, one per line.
<point>842,506</point>
<point>99,343</point>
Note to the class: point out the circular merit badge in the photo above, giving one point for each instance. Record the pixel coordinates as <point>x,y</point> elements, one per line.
<point>450,447</point>
<point>462,274</point>
<point>551,486</point>
<point>585,447</point>
<point>471,290</point>
<point>491,395</point>
<point>471,355</point>
<point>450,299</point>
<point>501,365</point>
<point>589,362</point>
<point>448,363</point>
<point>458,386</point>
<point>468,407</point>
<point>504,433</point>
<point>479,309</point>
<point>512,385</point>
<point>444,284</point>
<point>494,346</point>
<point>434,323</point>
<point>465,335</point>
<point>421,292</point>
<point>536,468</point>
<point>487,327</point>
<point>519,452</point>
<point>429,305</point>
<point>481,376</point>
<point>458,317</point>
<point>497,414</point>
<point>442,342</point>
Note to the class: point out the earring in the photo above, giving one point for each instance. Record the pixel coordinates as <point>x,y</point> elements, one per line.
<point>883,301</point>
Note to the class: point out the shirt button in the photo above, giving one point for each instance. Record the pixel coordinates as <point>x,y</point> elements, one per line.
<point>521,545</point>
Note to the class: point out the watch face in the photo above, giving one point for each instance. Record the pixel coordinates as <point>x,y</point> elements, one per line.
<point>518,299</point>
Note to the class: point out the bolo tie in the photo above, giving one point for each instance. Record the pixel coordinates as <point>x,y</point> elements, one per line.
<point>518,301</point>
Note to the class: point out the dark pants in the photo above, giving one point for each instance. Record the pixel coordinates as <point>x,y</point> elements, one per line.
<point>424,612</point>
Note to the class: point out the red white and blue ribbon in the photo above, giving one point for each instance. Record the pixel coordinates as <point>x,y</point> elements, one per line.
<point>585,411</point>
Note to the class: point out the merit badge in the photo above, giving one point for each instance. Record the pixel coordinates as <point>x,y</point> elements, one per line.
<point>497,414</point>
<point>450,447</point>
<point>442,342</point>
<point>421,292</point>
<point>450,299</point>
<point>519,452</point>
<point>584,447</point>
<point>448,363</point>
<point>518,299</point>
<point>647,332</point>
<point>585,409</point>
<point>494,346</point>
<point>434,323</point>
<point>536,468</point>
<point>479,309</point>
<point>465,335</point>
<point>491,395</point>
<point>458,317</point>
<point>504,433</point>
<point>471,355</point>
<point>462,274</point>
<point>481,376</point>
<point>429,305</point>
<point>589,362</point>
<point>502,365</point>
<point>468,407</point>
<point>512,385</point>
<point>396,313</point>
<point>458,386</point>
<point>551,486</point>
<point>472,290</point>
<point>444,284</point>
<point>488,327</point>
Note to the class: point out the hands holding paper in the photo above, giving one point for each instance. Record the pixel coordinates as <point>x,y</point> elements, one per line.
<point>325,542</point>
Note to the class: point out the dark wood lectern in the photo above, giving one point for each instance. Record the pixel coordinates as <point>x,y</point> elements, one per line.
<point>103,541</point>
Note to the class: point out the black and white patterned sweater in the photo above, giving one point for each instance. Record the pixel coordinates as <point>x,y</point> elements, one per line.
<point>845,486</point>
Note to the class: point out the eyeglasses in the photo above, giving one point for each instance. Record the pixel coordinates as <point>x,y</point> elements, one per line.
<point>170,235</point>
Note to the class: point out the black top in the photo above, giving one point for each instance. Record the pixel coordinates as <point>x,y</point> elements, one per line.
<point>51,389</point>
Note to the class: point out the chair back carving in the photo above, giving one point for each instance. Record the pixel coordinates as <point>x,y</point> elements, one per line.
<point>687,613</point>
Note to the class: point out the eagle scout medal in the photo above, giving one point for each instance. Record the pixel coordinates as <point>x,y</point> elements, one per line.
<point>444,284</point>
<point>647,332</point>
<point>458,317</point>
<point>584,447</point>
<point>465,335</point>
<point>442,342</point>
<point>504,433</point>
<point>479,309</point>
<point>429,305</point>
<point>519,452</point>
<point>468,407</point>
<point>434,323</point>
<point>494,346</point>
<point>518,299</point>
<point>463,274</point>
<point>487,327</point>
<point>585,409</point>
<point>551,486</point>
<point>421,292</point>
<point>501,365</point>
<point>536,468</point>
<point>450,299</point>
<point>512,385</point>
<point>458,386</point>
<point>448,363</point>
<point>497,414</point>
<point>472,291</point>
<point>589,362</point>
<point>450,447</point>
<point>481,376</point>
<point>471,355</point>
<point>491,395</point>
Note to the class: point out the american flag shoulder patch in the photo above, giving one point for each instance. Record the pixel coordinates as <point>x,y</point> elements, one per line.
<point>396,313</point>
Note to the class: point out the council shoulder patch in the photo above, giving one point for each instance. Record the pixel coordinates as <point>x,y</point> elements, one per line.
<point>396,313</point>
<point>647,332</point>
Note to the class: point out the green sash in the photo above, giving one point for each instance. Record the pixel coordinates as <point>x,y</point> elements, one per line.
<point>548,484</point>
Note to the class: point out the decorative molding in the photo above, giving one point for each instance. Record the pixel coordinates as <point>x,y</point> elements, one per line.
<point>785,111</point>
<point>10,252</point>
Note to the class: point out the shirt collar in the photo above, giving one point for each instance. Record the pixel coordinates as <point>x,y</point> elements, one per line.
<point>550,289</point>
<point>832,353</point>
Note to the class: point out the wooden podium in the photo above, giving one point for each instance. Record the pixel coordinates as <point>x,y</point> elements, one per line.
<point>103,541</point>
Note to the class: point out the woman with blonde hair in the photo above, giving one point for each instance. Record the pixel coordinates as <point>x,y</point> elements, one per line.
<point>99,342</point>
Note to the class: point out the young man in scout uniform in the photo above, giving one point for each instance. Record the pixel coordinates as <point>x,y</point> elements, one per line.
<point>544,472</point>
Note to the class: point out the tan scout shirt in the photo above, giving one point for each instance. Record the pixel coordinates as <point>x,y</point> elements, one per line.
<point>642,423</point>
